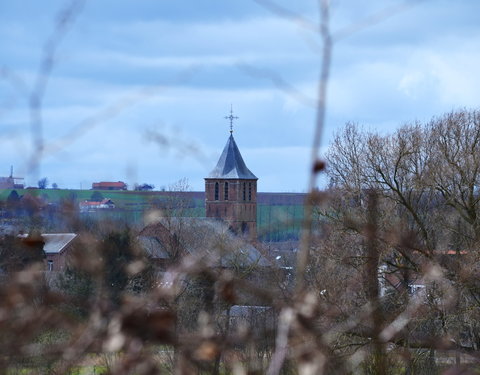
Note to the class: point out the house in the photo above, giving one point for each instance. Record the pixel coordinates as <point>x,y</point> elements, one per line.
<point>90,206</point>
<point>56,247</point>
<point>104,185</point>
<point>414,283</point>
<point>168,239</point>
<point>205,243</point>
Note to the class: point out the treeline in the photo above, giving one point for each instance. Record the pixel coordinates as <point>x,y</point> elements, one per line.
<point>399,249</point>
<point>428,173</point>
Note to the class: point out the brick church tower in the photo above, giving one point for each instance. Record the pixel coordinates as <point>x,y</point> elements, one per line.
<point>231,190</point>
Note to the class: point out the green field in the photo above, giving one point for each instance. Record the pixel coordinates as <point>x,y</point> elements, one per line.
<point>122,199</point>
<point>275,222</point>
<point>279,222</point>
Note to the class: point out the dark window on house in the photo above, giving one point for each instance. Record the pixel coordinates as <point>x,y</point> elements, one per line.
<point>50,265</point>
<point>249,191</point>
<point>226,191</point>
<point>216,191</point>
<point>244,191</point>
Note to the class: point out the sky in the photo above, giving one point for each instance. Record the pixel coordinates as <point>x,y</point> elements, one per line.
<point>139,90</point>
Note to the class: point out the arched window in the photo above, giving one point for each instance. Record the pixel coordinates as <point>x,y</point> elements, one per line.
<point>249,191</point>
<point>226,191</point>
<point>244,191</point>
<point>216,191</point>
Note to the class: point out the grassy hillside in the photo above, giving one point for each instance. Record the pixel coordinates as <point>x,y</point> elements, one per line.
<point>279,215</point>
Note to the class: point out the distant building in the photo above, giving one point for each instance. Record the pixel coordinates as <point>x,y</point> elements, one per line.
<point>104,204</point>
<point>56,247</point>
<point>169,239</point>
<point>6,183</point>
<point>11,182</point>
<point>231,192</point>
<point>109,185</point>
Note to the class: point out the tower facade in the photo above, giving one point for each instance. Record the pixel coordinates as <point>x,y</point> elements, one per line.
<point>231,192</point>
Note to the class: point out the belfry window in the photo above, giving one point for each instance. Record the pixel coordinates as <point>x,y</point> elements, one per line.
<point>226,191</point>
<point>244,191</point>
<point>249,191</point>
<point>216,191</point>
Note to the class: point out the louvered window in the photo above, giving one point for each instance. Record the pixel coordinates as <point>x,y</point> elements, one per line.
<point>216,191</point>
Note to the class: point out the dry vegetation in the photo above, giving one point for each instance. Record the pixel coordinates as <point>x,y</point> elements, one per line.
<point>386,280</point>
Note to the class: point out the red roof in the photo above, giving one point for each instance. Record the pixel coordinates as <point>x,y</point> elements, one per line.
<point>95,203</point>
<point>118,184</point>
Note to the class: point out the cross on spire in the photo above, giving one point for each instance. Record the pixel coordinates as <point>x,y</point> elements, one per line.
<point>231,118</point>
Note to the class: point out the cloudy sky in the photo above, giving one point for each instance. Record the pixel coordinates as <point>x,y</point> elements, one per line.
<point>139,89</point>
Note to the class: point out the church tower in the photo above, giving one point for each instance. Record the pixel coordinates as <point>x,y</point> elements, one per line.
<point>231,190</point>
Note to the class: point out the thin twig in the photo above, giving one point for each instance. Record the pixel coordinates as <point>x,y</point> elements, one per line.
<point>320,122</point>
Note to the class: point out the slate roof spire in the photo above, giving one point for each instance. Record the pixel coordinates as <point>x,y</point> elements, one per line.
<point>231,164</point>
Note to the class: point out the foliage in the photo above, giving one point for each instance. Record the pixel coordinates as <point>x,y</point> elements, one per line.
<point>13,198</point>
<point>124,269</point>
<point>43,183</point>
<point>79,287</point>
<point>144,187</point>
<point>96,196</point>
<point>118,251</point>
<point>17,254</point>
<point>402,208</point>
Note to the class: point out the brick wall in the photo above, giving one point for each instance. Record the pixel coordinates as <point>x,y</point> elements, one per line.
<point>239,210</point>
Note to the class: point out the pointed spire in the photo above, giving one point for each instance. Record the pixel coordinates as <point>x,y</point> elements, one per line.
<point>231,164</point>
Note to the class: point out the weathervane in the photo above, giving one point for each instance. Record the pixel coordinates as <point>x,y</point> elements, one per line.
<point>231,118</point>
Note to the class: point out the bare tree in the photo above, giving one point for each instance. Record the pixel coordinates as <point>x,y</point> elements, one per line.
<point>425,176</point>
<point>43,183</point>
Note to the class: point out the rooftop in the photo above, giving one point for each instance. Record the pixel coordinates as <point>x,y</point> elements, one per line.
<point>231,164</point>
<point>207,238</point>
<point>54,242</point>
